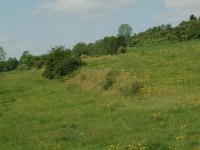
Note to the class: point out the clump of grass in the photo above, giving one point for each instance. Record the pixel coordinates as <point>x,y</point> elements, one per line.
<point>137,87</point>
<point>109,80</point>
<point>83,77</point>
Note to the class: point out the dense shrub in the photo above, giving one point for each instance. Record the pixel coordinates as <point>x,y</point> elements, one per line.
<point>186,30</point>
<point>8,65</point>
<point>136,87</point>
<point>80,49</point>
<point>27,61</point>
<point>109,80</point>
<point>60,62</point>
<point>38,64</point>
<point>121,50</point>
<point>23,67</point>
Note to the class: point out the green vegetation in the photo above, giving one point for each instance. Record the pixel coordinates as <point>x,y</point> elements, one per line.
<point>7,65</point>
<point>162,114</point>
<point>125,30</point>
<point>109,45</point>
<point>185,31</point>
<point>2,54</point>
<point>61,62</point>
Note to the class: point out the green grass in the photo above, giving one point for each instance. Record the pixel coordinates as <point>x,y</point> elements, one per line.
<point>81,114</point>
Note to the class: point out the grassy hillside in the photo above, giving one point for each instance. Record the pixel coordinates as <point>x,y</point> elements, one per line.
<point>100,106</point>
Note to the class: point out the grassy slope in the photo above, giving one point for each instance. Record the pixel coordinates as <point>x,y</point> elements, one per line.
<point>39,114</point>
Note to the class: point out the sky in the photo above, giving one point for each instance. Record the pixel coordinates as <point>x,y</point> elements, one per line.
<point>38,25</point>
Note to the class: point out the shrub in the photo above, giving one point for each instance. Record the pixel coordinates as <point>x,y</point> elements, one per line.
<point>61,62</point>
<point>109,81</point>
<point>121,50</point>
<point>137,87</point>
<point>8,65</point>
<point>80,49</point>
<point>38,64</point>
<point>23,67</point>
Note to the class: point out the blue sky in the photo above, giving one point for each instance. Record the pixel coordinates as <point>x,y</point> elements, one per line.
<point>38,25</point>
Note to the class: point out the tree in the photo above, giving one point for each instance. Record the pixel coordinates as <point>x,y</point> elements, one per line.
<point>8,65</point>
<point>192,17</point>
<point>99,48</point>
<point>121,50</point>
<point>60,62</point>
<point>110,45</point>
<point>121,41</point>
<point>91,48</point>
<point>11,64</point>
<point>80,49</point>
<point>27,59</point>
<point>125,30</point>
<point>2,54</point>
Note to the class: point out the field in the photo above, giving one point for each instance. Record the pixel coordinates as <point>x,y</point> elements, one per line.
<point>146,99</point>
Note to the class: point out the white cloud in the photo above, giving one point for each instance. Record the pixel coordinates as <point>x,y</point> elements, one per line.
<point>179,10</point>
<point>81,8</point>
<point>182,4</point>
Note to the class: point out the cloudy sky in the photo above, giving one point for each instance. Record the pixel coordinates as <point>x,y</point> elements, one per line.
<point>38,25</point>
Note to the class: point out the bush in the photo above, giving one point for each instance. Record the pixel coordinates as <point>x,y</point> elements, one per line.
<point>38,64</point>
<point>80,49</point>
<point>121,50</point>
<point>137,87</point>
<point>109,81</point>
<point>23,67</point>
<point>8,65</point>
<point>61,62</point>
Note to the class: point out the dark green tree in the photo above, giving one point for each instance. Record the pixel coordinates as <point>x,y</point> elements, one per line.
<point>80,49</point>
<point>99,48</point>
<point>11,64</point>
<point>27,61</point>
<point>193,17</point>
<point>91,48</point>
<point>60,62</point>
<point>110,45</point>
<point>2,54</point>
<point>8,65</point>
<point>26,58</point>
<point>125,30</point>
<point>121,41</point>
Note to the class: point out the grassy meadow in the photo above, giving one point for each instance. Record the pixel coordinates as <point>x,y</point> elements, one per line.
<point>146,99</point>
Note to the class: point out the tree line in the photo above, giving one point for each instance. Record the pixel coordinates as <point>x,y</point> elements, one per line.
<point>61,61</point>
<point>185,31</point>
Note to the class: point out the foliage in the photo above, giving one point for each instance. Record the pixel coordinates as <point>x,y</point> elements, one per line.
<point>125,30</point>
<point>192,17</point>
<point>8,65</point>
<point>121,50</point>
<point>110,45</point>
<point>23,67</point>
<point>137,87</point>
<point>109,80</point>
<point>80,49</point>
<point>2,54</point>
<point>28,61</point>
<point>107,45</point>
<point>61,62</point>
<point>185,31</point>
